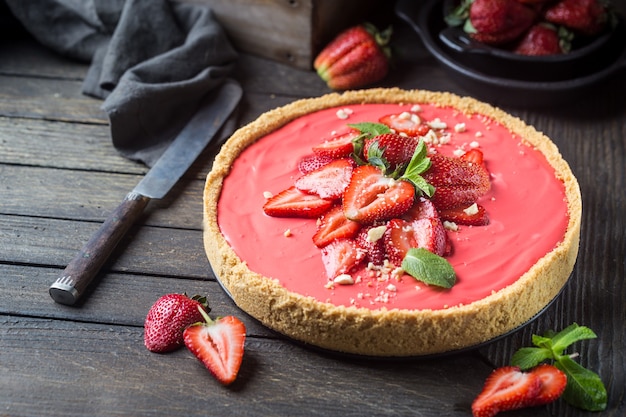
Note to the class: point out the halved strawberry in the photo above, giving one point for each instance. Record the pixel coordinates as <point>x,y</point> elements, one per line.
<point>457,182</point>
<point>328,181</point>
<point>312,162</point>
<point>408,123</point>
<point>294,203</point>
<point>507,388</point>
<point>395,149</point>
<point>372,196</point>
<point>341,256</point>
<point>553,383</point>
<point>402,235</point>
<point>338,146</point>
<point>422,209</point>
<point>334,225</point>
<point>219,345</point>
<point>474,215</point>
<point>371,240</point>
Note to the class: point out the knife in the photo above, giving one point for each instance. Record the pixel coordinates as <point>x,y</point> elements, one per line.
<point>214,110</point>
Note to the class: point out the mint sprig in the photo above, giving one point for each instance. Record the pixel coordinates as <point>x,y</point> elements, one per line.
<point>429,268</point>
<point>367,130</point>
<point>584,388</point>
<point>419,164</point>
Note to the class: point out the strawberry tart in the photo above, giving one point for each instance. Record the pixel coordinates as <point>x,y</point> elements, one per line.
<point>391,223</point>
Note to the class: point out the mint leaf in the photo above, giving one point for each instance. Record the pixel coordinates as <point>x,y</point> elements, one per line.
<point>570,335</point>
<point>529,357</point>
<point>429,268</point>
<point>419,163</point>
<point>543,342</point>
<point>371,129</point>
<point>584,388</point>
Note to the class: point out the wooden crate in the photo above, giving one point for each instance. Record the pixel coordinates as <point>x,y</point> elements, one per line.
<point>289,31</point>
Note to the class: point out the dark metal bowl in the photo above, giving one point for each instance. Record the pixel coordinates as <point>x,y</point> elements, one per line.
<point>504,77</point>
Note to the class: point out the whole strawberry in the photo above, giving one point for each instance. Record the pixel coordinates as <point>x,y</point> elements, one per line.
<point>541,39</point>
<point>588,17</point>
<point>167,319</point>
<point>395,149</point>
<point>498,22</point>
<point>356,57</point>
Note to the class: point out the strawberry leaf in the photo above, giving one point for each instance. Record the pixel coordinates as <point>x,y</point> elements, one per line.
<point>429,268</point>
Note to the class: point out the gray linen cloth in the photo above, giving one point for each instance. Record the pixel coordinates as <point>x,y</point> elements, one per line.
<point>150,60</point>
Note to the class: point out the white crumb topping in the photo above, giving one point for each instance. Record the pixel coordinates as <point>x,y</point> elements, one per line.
<point>344,113</point>
<point>344,279</point>
<point>450,226</point>
<point>375,233</point>
<point>471,210</point>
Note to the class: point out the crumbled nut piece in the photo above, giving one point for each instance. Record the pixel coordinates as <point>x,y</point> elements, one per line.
<point>460,127</point>
<point>344,113</point>
<point>471,210</point>
<point>267,194</point>
<point>344,279</point>
<point>375,233</point>
<point>450,226</point>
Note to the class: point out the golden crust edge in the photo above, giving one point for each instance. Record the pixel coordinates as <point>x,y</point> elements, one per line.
<point>388,332</point>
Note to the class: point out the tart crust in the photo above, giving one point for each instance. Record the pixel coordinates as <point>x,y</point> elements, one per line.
<point>388,332</point>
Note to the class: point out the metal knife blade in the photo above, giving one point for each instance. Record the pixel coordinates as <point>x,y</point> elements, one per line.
<point>164,174</point>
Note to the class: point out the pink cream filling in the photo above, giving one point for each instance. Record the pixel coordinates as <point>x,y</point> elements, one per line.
<point>526,207</point>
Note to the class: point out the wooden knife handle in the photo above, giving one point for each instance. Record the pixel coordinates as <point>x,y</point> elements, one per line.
<point>79,273</point>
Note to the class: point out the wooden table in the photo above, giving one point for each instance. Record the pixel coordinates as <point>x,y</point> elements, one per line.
<point>60,177</point>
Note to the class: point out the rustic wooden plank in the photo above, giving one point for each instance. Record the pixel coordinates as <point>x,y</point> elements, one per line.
<point>145,250</point>
<point>61,145</point>
<point>24,57</point>
<point>48,99</point>
<point>92,196</point>
<point>106,370</point>
<point>122,299</point>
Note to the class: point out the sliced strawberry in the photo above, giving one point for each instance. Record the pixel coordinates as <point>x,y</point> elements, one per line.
<point>408,123</point>
<point>507,388</point>
<point>294,203</point>
<point>312,162</point>
<point>334,225</point>
<point>474,215</point>
<point>372,196</point>
<point>372,242</point>
<point>338,146</point>
<point>422,209</point>
<point>402,235</point>
<point>329,181</point>
<point>474,156</point>
<point>553,382</point>
<point>395,149</point>
<point>219,345</point>
<point>457,182</point>
<point>341,256</point>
